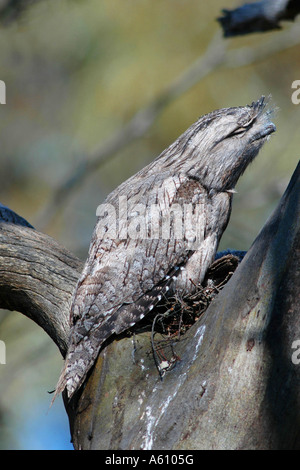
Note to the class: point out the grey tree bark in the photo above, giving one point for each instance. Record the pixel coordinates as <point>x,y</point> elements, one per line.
<point>237,384</point>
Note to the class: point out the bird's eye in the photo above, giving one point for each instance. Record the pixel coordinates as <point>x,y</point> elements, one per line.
<point>237,132</point>
<point>240,130</point>
<point>243,126</point>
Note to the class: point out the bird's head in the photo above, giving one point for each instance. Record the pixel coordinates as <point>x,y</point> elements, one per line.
<point>217,148</point>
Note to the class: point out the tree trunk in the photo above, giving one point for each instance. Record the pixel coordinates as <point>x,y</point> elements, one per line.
<point>237,383</point>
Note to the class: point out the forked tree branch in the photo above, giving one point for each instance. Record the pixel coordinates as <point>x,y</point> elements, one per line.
<point>235,386</point>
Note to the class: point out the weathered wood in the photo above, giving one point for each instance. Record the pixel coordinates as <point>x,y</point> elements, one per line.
<point>235,387</point>
<point>37,276</point>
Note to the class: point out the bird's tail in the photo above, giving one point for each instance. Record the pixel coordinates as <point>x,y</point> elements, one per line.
<point>74,371</point>
<point>61,384</point>
<point>81,356</point>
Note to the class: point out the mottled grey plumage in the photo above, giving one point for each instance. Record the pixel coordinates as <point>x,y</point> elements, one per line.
<point>124,277</point>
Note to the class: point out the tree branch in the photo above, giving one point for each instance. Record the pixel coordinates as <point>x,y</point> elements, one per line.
<point>235,385</point>
<point>37,276</point>
<point>264,15</point>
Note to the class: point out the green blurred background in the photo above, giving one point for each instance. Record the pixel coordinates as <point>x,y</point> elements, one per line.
<point>76,72</point>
